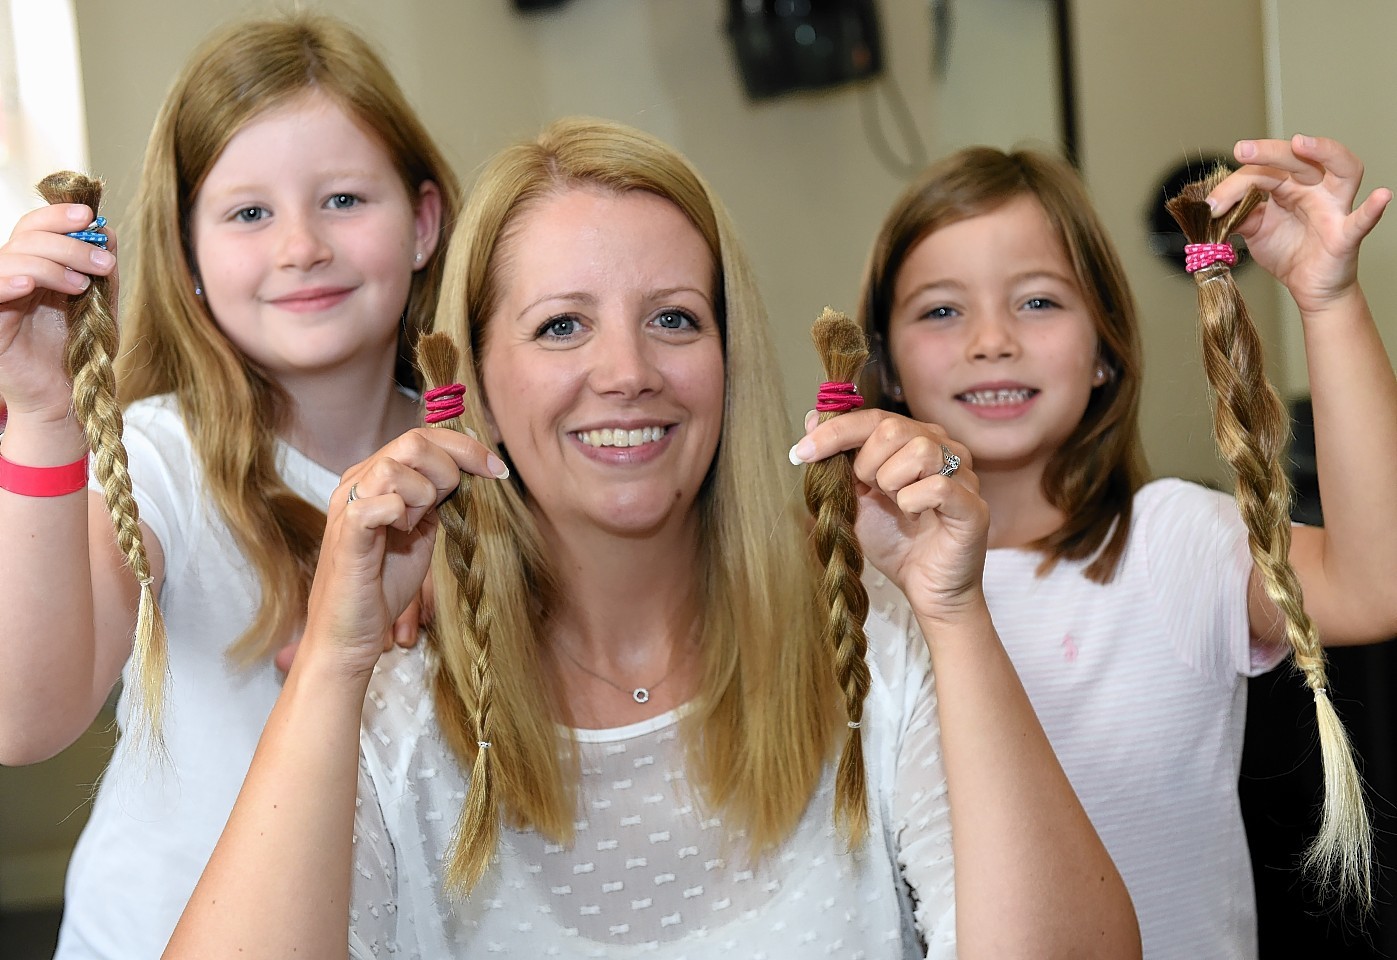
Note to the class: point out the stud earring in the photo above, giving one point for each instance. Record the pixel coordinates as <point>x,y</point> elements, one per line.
<point>896,391</point>
<point>198,290</point>
<point>418,258</point>
<point>1100,376</point>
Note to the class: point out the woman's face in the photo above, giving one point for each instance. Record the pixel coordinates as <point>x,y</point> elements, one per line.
<point>602,364</point>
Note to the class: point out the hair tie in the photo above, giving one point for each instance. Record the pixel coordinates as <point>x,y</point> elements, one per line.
<point>1200,255</point>
<point>483,744</point>
<point>838,396</point>
<point>91,234</point>
<point>444,402</point>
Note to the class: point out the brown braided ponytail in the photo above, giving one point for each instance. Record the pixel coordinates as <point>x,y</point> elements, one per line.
<point>829,494</point>
<point>88,357</point>
<point>478,829</point>
<point>1251,429</point>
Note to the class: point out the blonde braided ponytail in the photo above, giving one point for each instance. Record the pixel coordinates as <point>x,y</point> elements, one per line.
<point>829,494</point>
<point>89,355</point>
<point>1252,429</point>
<point>478,829</point>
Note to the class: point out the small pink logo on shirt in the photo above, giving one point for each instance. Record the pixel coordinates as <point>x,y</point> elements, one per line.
<point>1069,648</point>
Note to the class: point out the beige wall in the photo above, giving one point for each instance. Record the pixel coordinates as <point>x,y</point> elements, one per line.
<point>1133,66</point>
<point>1331,72</point>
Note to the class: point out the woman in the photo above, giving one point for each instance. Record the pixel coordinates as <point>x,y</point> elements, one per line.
<point>635,576</point>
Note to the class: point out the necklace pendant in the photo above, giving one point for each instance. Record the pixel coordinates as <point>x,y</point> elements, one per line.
<point>640,695</point>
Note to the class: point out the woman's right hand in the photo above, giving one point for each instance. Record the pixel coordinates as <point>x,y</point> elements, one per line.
<point>378,545</point>
<point>40,269</point>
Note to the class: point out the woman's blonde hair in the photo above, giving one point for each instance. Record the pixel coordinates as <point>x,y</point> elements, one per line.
<point>762,725</point>
<point>1252,430</point>
<point>171,344</point>
<point>1093,476</point>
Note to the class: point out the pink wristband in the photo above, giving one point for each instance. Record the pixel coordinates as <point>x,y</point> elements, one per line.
<point>43,481</point>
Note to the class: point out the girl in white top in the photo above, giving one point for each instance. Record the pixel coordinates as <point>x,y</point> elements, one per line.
<point>621,739</point>
<point>999,311</point>
<point>286,240</point>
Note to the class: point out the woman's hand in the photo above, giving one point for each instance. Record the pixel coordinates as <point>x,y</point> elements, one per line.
<point>925,531</point>
<point>378,545</point>
<point>1307,233</point>
<point>40,269</point>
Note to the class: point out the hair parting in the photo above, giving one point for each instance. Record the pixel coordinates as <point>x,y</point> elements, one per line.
<point>1252,429</point>
<point>89,356</point>
<point>829,494</point>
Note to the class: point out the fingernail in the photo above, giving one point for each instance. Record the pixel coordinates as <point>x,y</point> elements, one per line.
<point>1308,141</point>
<point>101,258</point>
<point>812,419</point>
<point>19,283</point>
<point>79,214</point>
<point>496,467</point>
<point>72,276</point>
<point>1245,149</point>
<point>803,450</point>
<point>1212,205</point>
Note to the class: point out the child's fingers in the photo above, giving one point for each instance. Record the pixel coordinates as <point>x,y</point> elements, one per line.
<point>954,502</point>
<point>1330,154</point>
<point>23,274</point>
<point>890,470</point>
<point>1369,212</point>
<point>55,218</point>
<point>1279,155</point>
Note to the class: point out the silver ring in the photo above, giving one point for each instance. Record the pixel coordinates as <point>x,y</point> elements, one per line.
<point>354,492</point>
<point>950,463</point>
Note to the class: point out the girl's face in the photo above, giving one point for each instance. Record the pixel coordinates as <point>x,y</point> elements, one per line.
<point>305,241</point>
<point>991,337</point>
<point>602,366</point>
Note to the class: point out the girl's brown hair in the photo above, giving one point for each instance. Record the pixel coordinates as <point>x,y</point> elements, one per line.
<point>1252,430</point>
<point>762,725</point>
<point>171,343</point>
<point>1093,476</point>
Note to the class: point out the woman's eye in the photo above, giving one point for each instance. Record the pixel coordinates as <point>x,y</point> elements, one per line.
<point>559,328</point>
<point>251,214</point>
<point>341,201</point>
<point>676,320</point>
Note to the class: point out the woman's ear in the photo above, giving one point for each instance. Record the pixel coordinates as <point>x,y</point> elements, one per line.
<point>426,223</point>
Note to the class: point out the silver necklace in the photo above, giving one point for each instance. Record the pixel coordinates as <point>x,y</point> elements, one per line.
<point>639,694</point>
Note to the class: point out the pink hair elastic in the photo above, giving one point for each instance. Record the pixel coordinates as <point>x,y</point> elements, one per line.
<point>839,397</point>
<point>444,402</point>
<point>1200,255</point>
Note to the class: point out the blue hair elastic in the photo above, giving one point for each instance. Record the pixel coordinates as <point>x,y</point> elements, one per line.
<point>91,234</point>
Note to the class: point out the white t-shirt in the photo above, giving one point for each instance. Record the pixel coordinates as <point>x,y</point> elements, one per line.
<point>153,828</point>
<point>649,873</point>
<point>1140,686</point>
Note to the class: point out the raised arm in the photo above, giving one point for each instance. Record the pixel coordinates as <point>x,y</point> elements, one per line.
<point>1307,234</point>
<point>71,602</point>
<point>1032,879</point>
<point>278,884</point>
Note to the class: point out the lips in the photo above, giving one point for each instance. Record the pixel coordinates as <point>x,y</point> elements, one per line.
<point>312,299</point>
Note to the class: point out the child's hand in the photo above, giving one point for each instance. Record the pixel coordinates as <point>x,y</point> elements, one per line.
<point>926,531</point>
<point>39,270</point>
<point>1307,233</point>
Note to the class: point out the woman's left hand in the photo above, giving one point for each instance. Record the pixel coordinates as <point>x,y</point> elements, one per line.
<point>1307,233</point>
<point>925,531</point>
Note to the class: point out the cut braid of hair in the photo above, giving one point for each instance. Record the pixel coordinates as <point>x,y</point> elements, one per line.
<point>89,354</point>
<point>478,829</point>
<point>1252,429</point>
<point>829,494</point>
